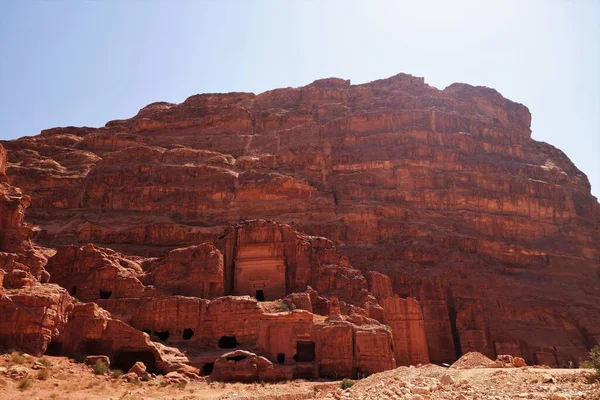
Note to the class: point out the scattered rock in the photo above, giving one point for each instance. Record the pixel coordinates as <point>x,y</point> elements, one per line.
<point>420,390</point>
<point>139,368</point>
<point>175,377</point>
<point>18,372</point>
<point>446,380</point>
<point>472,360</point>
<point>130,377</point>
<point>518,362</point>
<point>547,379</point>
<point>37,365</point>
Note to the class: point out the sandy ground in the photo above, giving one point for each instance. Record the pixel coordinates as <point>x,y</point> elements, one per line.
<point>69,380</point>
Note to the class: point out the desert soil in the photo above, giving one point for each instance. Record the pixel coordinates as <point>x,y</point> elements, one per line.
<point>70,380</point>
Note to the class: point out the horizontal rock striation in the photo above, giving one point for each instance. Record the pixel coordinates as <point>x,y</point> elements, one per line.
<point>495,234</point>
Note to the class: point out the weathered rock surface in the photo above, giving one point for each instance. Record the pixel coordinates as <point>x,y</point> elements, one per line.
<point>495,234</point>
<point>92,331</point>
<point>242,366</point>
<point>192,271</point>
<point>91,273</point>
<point>31,317</point>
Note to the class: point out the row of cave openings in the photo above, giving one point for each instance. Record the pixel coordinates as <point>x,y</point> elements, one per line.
<point>186,334</point>
<point>123,359</point>
<point>305,352</point>
<point>105,294</point>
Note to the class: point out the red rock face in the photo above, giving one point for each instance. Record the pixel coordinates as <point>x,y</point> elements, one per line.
<point>192,271</point>
<point>444,191</point>
<point>91,273</point>
<point>33,316</point>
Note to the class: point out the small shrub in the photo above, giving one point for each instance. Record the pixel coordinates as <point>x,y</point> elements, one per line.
<point>283,306</point>
<point>181,385</point>
<point>163,383</point>
<point>43,374</point>
<point>100,368</point>
<point>346,383</point>
<point>586,364</point>
<point>115,373</point>
<point>25,383</point>
<point>145,378</point>
<point>45,362</point>
<point>17,358</point>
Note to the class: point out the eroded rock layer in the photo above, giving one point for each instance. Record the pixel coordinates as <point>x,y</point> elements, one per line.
<point>496,234</point>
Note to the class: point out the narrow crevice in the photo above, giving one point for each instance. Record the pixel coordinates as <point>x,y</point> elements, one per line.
<point>455,334</point>
<point>336,200</point>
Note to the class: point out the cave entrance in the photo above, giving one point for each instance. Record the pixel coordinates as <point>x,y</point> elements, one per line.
<point>208,368</point>
<point>228,342</point>
<point>163,336</point>
<point>260,295</point>
<point>236,358</point>
<point>54,349</point>
<point>73,290</point>
<point>125,359</point>
<point>93,348</point>
<point>280,358</point>
<point>148,331</point>
<point>187,334</point>
<point>105,294</point>
<point>305,352</point>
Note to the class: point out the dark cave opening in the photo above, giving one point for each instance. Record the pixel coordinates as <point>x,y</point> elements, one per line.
<point>187,334</point>
<point>163,336</point>
<point>208,368</point>
<point>125,359</point>
<point>54,349</point>
<point>305,352</point>
<point>280,358</point>
<point>105,294</point>
<point>93,347</point>
<point>228,342</point>
<point>260,295</point>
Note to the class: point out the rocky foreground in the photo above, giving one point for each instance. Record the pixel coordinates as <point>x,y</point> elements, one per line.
<point>61,378</point>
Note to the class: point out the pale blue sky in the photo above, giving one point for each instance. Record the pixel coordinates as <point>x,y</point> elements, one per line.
<point>87,62</point>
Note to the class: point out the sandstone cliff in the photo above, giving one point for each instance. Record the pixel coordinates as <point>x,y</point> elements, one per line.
<point>496,234</point>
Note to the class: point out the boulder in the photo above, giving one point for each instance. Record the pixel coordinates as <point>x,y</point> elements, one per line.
<point>17,372</point>
<point>241,366</point>
<point>138,368</point>
<point>446,380</point>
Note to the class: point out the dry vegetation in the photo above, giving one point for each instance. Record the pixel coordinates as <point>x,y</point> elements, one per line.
<point>61,378</point>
